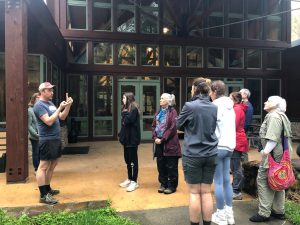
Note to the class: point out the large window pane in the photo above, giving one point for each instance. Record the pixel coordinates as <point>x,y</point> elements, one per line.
<point>79,52</point>
<point>236,15</point>
<point>236,58</point>
<point>126,54</point>
<point>273,59</point>
<point>77,88</point>
<point>76,14</point>
<point>149,17</point>
<point>172,86</point>
<point>102,15</point>
<point>273,87</point>
<point>183,18</point>
<point>125,16</point>
<point>103,123</point>
<point>274,6</point>
<point>194,57</point>
<point>253,58</point>
<point>34,71</point>
<point>216,18</point>
<point>254,25</point>
<point>2,88</point>
<point>172,56</point>
<point>273,28</point>
<point>102,53</point>
<point>215,58</point>
<point>149,55</point>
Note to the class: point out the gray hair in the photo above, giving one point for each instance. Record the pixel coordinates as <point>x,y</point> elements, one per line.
<point>278,102</point>
<point>168,97</point>
<point>246,92</point>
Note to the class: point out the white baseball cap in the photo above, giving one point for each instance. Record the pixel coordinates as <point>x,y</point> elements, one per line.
<point>45,85</point>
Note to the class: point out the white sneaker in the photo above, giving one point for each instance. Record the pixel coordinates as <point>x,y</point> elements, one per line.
<point>125,183</point>
<point>229,215</point>
<point>219,217</point>
<point>132,186</point>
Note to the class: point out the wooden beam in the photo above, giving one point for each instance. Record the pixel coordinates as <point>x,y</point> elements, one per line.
<point>16,90</point>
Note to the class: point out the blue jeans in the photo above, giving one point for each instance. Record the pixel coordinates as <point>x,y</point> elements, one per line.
<point>223,188</point>
<point>237,172</point>
<point>35,153</point>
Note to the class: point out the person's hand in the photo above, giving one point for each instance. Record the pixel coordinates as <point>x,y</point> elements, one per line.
<point>62,105</point>
<point>157,141</point>
<point>69,101</point>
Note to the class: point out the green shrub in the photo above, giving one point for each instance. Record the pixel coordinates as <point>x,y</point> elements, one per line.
<point>103,216</point>
<point>292,210</point>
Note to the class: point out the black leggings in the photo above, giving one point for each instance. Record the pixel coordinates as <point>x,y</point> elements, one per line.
<point>131,159</point>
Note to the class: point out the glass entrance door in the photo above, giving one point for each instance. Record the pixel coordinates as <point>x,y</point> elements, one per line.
<point>147,96</point>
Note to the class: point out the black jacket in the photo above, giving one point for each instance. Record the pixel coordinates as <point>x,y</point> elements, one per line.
<point>130,133</point>
<point>199,119</point>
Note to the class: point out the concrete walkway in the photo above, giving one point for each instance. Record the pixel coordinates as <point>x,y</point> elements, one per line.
<point>94,177</point>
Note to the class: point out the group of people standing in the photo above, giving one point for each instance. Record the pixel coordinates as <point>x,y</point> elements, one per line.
<point>215,143</point>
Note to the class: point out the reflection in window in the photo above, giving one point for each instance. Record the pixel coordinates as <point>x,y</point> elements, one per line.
<point>172,86</point>
<point>76,14</point>
<point>172,56</point>
<point>102,15</point>
<point>77,89</point>
<point>149,17</point>
<point>273,28</point>
<point>2,88</point>
<point>236,15</point>
<point>149,55</point>
<point>103,123</point>
<point>236,58</point>
<point>216,18</point>
<point>150,98</point>
<point>253,58</point>
<point>273,87</point>
<point>273,60</point>
<point>254,85</point>
<point>79,52</point>
<point>55,81</point>
<point>102,53</point>
<point>274,6</point>
<point>215,58</point>
<point>125,16</point>
<point>254,25</point>
<point>194,57</point>
<point>34,71</point>
<point>126,54</point>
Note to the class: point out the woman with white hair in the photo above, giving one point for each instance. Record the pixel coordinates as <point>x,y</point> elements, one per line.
<point>275,125</point>
<point>166,144</point>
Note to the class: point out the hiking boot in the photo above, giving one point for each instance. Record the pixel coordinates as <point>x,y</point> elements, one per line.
<point>48,199</point>
<point>219,217</point>
<point>125,183</point>
<point>132,186</point>
<point>54,192</point>
<point>229,215</point>
<point>161,189</point>
<point>169,191</point>
<point>258,218</point>
<point>237,196</point>
<point>279,216</point>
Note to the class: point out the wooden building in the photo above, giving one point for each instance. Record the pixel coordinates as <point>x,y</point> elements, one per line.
<point>97,49</point>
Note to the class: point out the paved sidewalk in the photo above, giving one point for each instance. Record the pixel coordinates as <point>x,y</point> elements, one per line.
<point>179,215</point>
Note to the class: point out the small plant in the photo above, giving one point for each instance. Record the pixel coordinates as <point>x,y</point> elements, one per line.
<point>292,210</point>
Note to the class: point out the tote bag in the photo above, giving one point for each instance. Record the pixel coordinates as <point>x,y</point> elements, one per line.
<point>281,175</point>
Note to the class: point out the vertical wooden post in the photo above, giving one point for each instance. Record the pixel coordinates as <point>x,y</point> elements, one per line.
<point>16,90</point>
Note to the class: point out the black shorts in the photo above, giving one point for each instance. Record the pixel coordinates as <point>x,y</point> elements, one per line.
<point>198,170</point>
<point>49,149</point>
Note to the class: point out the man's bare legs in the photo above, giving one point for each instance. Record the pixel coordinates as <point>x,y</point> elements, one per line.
<point>41,172</point>
<point>50,170</point>
<point>201,202</point>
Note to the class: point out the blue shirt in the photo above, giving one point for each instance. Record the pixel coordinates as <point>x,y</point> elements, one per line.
<point>46,132</point>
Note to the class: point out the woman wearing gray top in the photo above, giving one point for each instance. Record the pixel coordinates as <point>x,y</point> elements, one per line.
<point>33,131</point>
<point>199,119</point>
